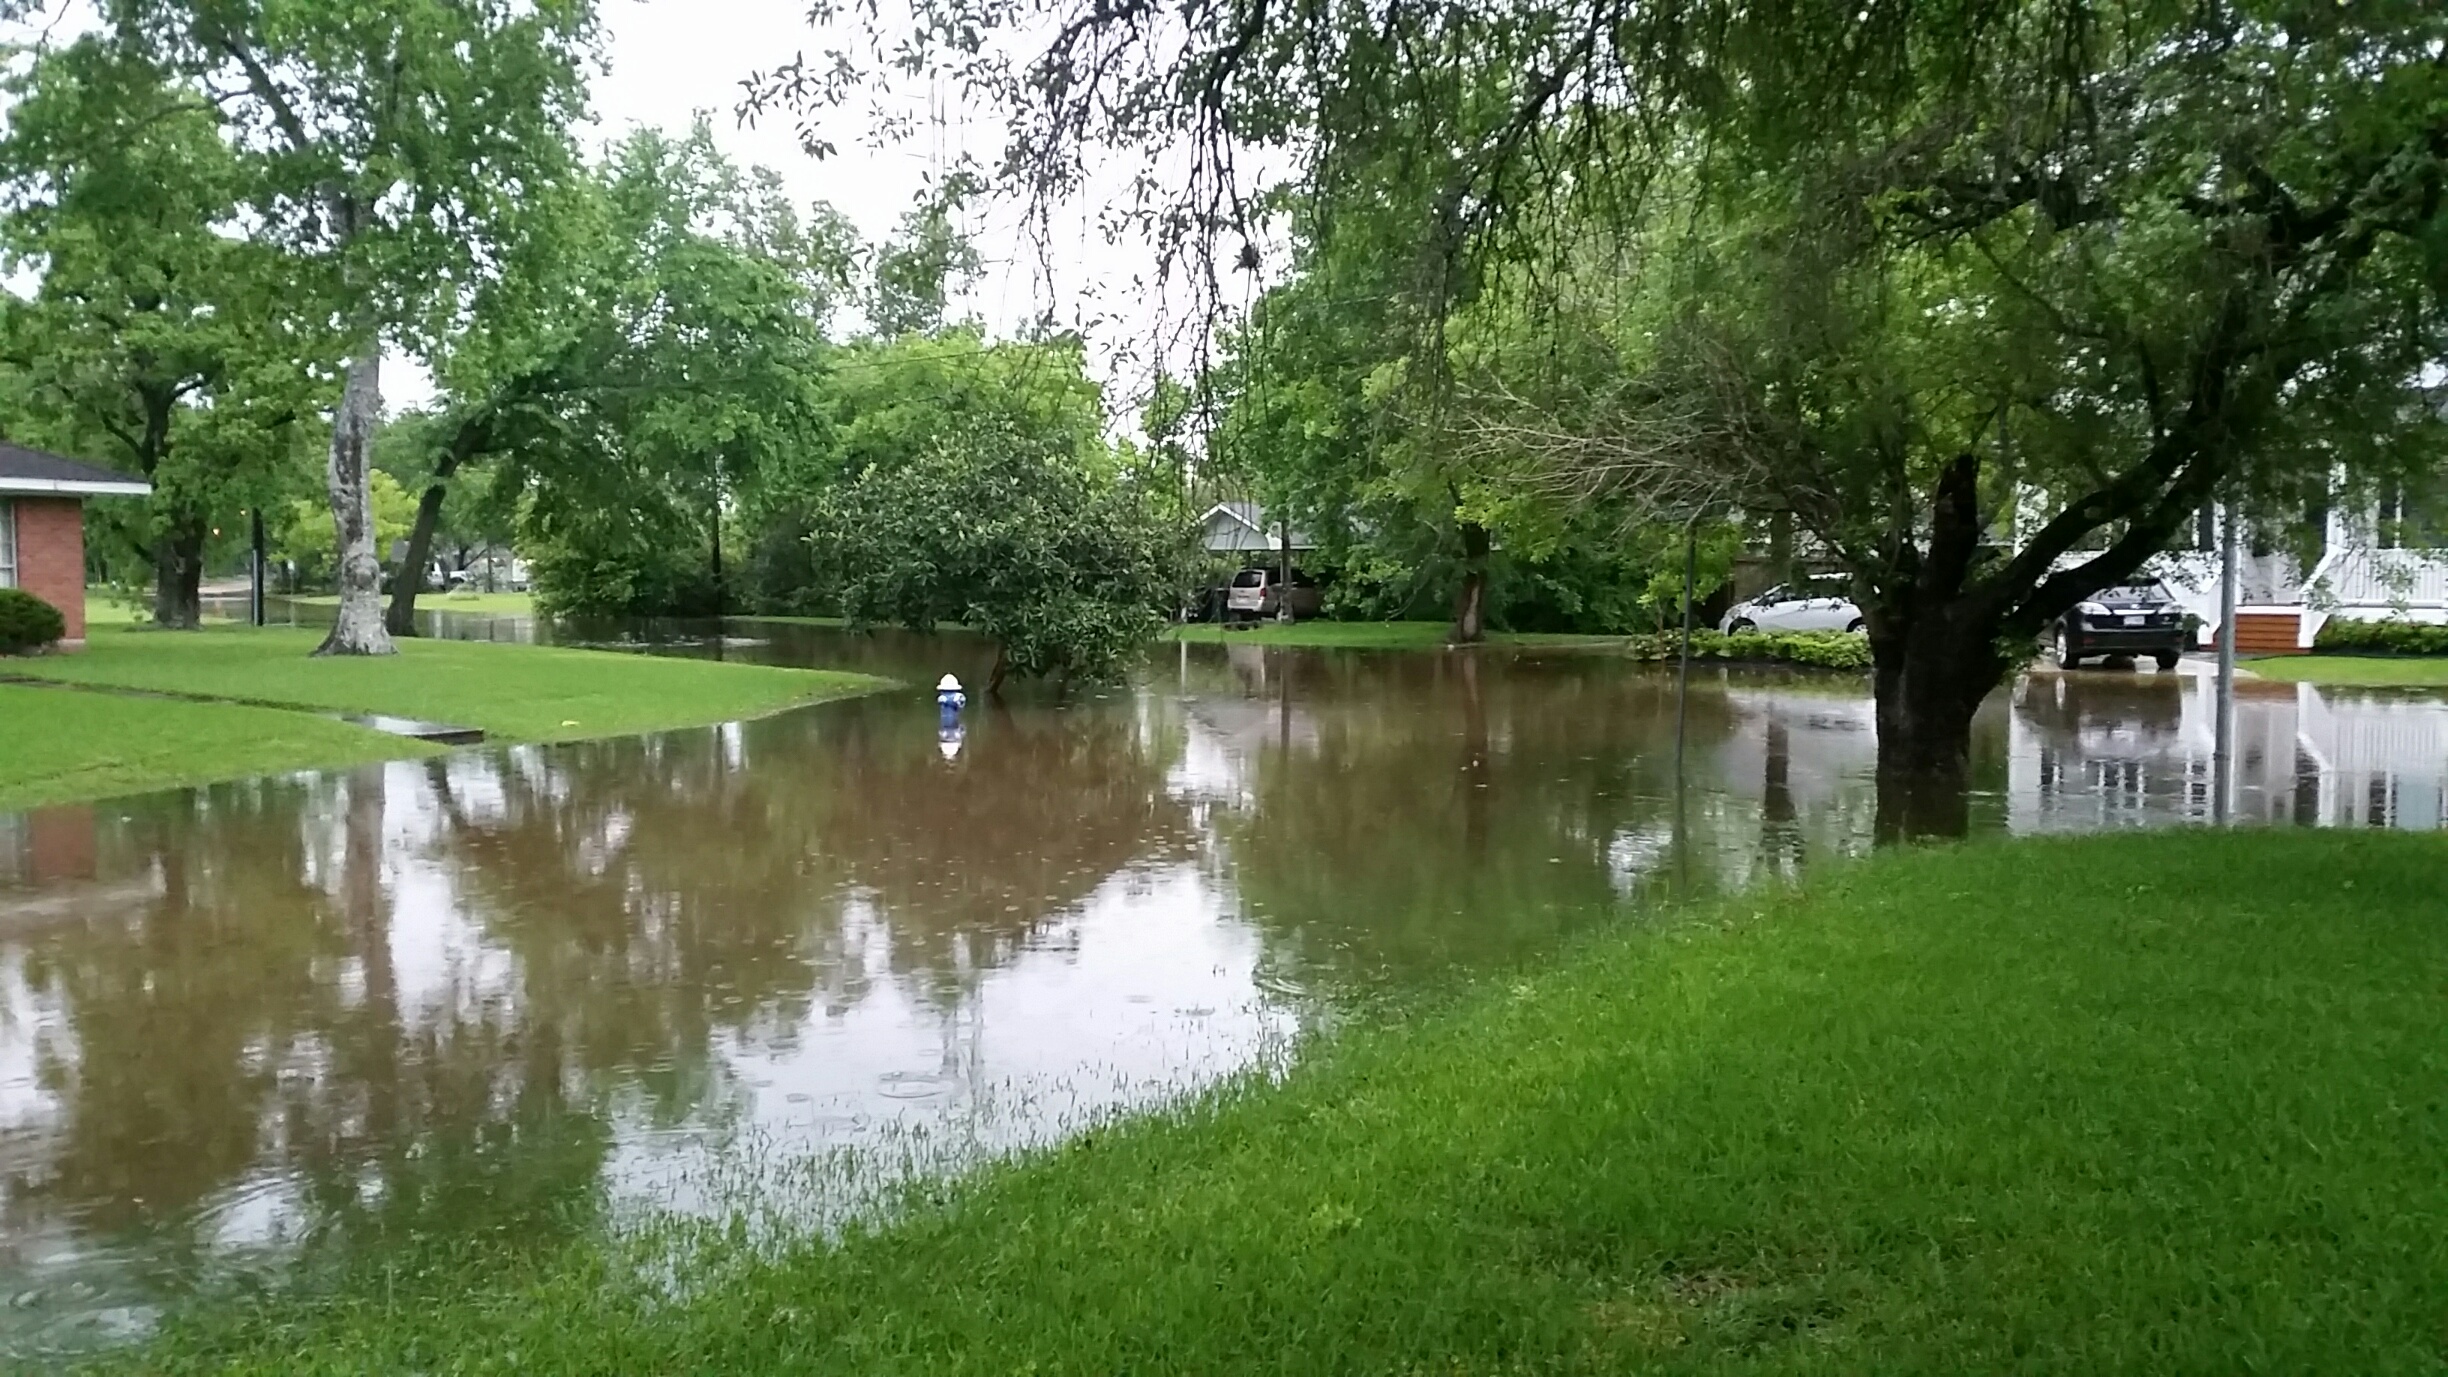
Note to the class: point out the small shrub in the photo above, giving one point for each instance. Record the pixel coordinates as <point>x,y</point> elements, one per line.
<point>2344,636</point>
<point>27,622</point>
<point>1817,649</point>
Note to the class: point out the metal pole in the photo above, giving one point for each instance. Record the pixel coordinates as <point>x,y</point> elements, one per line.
<point>255,589</point>
<point>2222,767</point>
<point>1691,573</point>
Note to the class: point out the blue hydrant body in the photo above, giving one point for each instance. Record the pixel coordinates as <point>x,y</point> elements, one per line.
<point>949,696</point>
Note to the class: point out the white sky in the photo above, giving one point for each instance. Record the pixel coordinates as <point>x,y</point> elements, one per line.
<point>671,59</point>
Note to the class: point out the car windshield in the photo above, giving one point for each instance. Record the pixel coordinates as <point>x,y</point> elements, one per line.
<point>2136,592</point>
<point>1250,578</point>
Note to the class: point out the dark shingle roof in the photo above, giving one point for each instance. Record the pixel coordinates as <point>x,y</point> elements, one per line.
<point>21,465</point>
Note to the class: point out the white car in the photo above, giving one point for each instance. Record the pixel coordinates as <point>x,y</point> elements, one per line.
<point>1813,604</point>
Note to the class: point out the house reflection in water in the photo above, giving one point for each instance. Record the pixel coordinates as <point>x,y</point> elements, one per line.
<point>2106,750</point>
<point>47,846</point>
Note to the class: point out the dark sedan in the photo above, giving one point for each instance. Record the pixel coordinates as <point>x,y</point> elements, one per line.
<point>2134,619</point>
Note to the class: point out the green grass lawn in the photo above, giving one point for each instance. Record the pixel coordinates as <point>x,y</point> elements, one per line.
<point>2147,1104</point>
<point>59,745</point>
<point>105,607</point>
<point>2354,670</point>
<point>514,693</point>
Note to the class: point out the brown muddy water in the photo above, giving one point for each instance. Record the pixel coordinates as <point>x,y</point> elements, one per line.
<point>260,1024</point>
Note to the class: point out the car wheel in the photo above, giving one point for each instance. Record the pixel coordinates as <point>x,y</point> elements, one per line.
<point>2168,659</point>
<point>1857,628</point>
<point>2066,658</point>
<point>1740,626</point>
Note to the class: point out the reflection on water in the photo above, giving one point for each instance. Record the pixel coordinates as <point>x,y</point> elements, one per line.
<point>294,1018</point>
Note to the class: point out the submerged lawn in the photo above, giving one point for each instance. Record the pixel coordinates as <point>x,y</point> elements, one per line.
<point>2354,670</point>
<point>2149,1103</point>
<point>58,744</point>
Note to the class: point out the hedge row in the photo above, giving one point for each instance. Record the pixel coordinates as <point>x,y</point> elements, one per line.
<point>2342,636</point>
<point>1818,649</point>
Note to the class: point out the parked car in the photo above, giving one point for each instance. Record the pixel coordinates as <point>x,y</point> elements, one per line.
<point>2131,619</point>
<point>1260,593</point>
<point>1820,603</point>
<point>492,574</point>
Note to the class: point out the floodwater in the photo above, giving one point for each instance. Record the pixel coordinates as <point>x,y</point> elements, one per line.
<point>282,1021</point>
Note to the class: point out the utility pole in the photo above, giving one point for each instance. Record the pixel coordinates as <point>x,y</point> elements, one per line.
<point>2222,759</point>
<point>1691,574</point>
<point>255,587</point>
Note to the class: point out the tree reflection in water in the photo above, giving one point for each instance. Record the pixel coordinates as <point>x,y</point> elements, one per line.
<point>490,992</point>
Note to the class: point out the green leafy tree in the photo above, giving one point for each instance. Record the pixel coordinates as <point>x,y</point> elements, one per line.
<point>154,338</point>
<point>1991,297</point>
<point>389,143</point>
<point>920,269</point>
<point>892,402</point>
<point>996,529</point>
<point>685,389</point>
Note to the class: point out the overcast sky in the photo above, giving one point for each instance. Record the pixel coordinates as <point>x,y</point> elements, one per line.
<point>670,60</point>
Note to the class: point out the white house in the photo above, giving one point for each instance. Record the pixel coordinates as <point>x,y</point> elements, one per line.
<point>1234,528</point>
<point>2280,606</point>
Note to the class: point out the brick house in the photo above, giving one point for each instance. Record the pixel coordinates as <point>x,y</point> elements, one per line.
<point>42,527</point>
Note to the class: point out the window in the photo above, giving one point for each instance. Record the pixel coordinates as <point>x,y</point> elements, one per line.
<point>8,543</point>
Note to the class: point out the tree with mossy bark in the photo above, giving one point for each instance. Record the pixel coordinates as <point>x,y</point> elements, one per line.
<point>2174,240</point>
<point>389,143</point>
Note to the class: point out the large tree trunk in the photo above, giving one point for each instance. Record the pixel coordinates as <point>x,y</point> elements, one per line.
<point>358,629</point>
<point>410,580</point>
<point>1470,602</point>
<point>178,574</point>
<point>1935,646</point>
<point>1931,678</point>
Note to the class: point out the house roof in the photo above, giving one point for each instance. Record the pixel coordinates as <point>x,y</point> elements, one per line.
<point>32,471</point>
<point>1237,525</point>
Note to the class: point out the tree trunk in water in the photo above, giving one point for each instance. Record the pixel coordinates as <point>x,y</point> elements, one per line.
<point>410,580</point>
<point>1002,666</point>
<point>178,575</point>
<point>358,628</point>
<point>1470,604</point>
<point>1932,674</point>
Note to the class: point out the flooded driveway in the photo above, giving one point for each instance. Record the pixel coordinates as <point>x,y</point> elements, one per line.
<point>508,989</point>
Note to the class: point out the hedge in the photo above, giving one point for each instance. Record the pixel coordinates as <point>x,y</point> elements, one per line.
<point>2342,636</point>
<point>1818,649</point>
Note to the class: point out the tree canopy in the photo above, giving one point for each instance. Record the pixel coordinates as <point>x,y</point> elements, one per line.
<point>1991,299</point>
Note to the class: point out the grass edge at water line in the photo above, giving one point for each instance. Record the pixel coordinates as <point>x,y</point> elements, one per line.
<point>514,693</point>
<point>2354,671</point>
<point>2041,1104</point>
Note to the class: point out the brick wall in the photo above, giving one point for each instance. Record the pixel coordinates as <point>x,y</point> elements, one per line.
<point>51,557</point>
